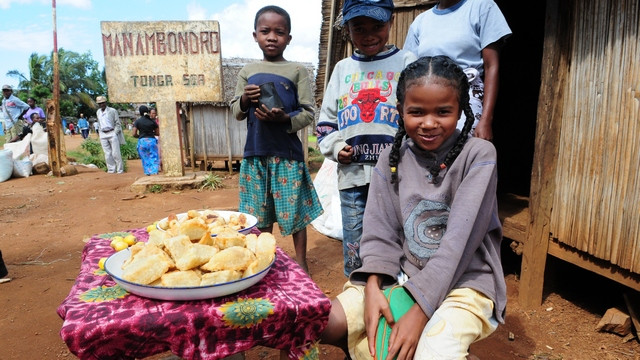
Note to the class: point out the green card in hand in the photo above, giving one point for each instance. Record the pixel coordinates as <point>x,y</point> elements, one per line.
<point>400,301</point>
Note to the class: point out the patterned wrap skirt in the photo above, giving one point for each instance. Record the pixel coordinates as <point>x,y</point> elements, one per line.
<point>275,189</point>
<point>148,151</point>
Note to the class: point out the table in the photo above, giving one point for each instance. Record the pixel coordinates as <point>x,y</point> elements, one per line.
<point>285,310</point>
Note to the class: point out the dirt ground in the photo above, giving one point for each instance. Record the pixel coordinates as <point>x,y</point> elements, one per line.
<point>44,221</point>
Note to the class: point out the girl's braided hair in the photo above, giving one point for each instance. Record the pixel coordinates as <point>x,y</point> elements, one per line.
<point>439,69</point>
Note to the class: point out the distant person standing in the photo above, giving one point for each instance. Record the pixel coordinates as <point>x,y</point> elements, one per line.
<point>145,130</point>
<point>12,111</point>
<point>153,114</point>
<point>83,126</point>
<point>33,109</point>
<point>109,124</point>
<point>72,129</point>
<point>96,126</point>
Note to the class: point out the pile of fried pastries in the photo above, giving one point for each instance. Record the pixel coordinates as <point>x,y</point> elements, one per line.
<point>200,221</point>
<point>193,258</point>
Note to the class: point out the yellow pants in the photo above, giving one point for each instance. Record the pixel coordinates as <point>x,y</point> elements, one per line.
<point>464,317</point>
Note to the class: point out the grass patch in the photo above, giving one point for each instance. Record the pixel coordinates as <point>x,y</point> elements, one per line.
<point>315,155</point>
<point>211,182</point>
<point>92,153</point>
<point>155,189</point>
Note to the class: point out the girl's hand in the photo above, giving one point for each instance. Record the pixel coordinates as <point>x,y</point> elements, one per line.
<point>375,305</point>
<point>406,333</point>
<point>344,156</point>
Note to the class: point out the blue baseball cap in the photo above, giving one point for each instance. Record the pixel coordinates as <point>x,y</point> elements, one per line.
<point>380,10</point>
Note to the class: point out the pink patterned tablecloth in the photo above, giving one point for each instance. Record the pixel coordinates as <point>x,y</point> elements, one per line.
<point>285,310</point>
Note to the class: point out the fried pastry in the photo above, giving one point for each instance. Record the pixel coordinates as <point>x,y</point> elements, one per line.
<point>148,264</point>
<point>206,239</point>
<point>177,245</point>
<point>219,277</point>
<point>265,249</point>
<point>233,258</point>
<point>251,242</point>
<point>228,238</point>
<point>180,279</point>
<point>194,256</point>
<point>156,237</point>
<point>193,228</point>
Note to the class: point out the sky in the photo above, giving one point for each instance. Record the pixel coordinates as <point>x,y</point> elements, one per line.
<point>26,26</point>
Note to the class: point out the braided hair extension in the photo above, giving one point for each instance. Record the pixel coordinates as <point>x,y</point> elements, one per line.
<point>427,69</point>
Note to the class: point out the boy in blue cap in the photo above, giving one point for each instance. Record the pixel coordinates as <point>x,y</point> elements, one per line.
<point>358,117</point>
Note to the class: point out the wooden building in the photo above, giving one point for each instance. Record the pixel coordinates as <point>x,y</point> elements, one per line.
<point>566,128</point>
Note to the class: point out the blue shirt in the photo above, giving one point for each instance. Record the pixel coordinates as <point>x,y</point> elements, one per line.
<point>15,107</point>
<point>293,87</point>
<point>83,123</point>
<point>459,32</point>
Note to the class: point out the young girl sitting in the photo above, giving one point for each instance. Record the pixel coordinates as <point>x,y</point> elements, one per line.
<point>432,218</point>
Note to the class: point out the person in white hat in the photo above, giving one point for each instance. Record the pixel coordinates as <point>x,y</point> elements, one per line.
<point>11,113</point>
<point>109,127</point>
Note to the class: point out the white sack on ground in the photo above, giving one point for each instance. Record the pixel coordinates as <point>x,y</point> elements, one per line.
<point>326,184</point>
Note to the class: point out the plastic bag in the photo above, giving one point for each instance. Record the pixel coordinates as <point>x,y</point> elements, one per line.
<point>39,158</point>
<point>400,301</point>
<point>22,168</point>
<point>39,143</point>
<point>269,96</point>
<point>6,164</point>
<point>326,184</point>
<point>21,149</point>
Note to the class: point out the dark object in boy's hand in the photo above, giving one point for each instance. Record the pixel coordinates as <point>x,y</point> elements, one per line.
<point>269,96</point>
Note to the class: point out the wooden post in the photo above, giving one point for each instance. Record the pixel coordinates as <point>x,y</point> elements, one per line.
<point>555,54</point>
<point>171,144</point>
<point>228,137</point>
<point>55,138</point>
<point>191,141</point>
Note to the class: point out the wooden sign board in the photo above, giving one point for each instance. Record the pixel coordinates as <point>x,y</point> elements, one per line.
<point>150,61</point>
<point>163,62</point>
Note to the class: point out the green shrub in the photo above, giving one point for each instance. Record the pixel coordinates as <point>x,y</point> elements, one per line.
<point>315,155</point>
<point>155,188</point>
<point>129,150</point>
<point>92,146</point>
<point>211,182</point>
<point>95,155</point>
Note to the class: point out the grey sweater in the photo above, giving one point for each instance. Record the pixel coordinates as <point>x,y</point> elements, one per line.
<point>443,234</point>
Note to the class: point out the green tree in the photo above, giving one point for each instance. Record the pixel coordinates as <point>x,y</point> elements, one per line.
<point>80,81</point>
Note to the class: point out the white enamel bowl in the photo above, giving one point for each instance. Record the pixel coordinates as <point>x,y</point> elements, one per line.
<point>113,266</point>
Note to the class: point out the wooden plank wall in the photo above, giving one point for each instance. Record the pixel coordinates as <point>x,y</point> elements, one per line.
<point>216,134</point>
<point>595,207</point>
